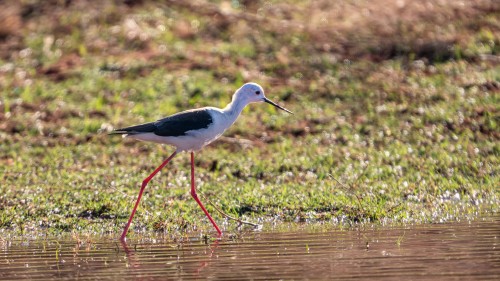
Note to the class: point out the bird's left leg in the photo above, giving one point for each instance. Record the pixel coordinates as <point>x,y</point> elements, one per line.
<point>195,196</point>
<point>143,186</point>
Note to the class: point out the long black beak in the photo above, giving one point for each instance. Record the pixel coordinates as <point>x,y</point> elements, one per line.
<point>282,108</point>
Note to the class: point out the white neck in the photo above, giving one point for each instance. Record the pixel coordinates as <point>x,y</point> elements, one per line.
<point>233,109</point>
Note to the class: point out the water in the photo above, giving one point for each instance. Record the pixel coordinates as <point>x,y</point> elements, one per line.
<point>456,251</point>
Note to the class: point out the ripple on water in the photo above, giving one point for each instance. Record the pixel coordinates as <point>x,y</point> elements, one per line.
<point>467,250</point>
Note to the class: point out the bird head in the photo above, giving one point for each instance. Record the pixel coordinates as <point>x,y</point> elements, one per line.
<point>253,92</point>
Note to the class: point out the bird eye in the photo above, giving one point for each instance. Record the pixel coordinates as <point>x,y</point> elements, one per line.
<point>257,92</point>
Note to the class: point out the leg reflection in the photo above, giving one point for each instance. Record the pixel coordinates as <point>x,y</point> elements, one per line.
<point>211,254</point>
<point>131,256</point>
<point>183,262</point>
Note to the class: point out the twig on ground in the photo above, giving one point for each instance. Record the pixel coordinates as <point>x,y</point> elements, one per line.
<point>351,188</point>
<point>226,215</point>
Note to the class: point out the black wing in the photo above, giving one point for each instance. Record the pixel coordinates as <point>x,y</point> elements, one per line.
<point>172,126</point>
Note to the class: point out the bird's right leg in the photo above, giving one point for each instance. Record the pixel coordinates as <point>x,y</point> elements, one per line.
<point>144,183</point>
<point>195,196</point>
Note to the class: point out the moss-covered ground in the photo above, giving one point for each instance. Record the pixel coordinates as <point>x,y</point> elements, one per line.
<point>397,112</point>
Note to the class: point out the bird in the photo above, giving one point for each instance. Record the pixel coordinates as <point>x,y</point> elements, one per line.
<point>190,131</point>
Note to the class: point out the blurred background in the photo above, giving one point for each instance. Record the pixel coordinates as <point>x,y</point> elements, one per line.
<point>208,48</point>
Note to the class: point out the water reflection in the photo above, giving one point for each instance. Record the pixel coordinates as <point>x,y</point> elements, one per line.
<point>135,256</point>
<point>446,251</point>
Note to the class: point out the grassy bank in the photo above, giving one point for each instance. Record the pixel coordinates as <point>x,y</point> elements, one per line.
<point>396,112</point>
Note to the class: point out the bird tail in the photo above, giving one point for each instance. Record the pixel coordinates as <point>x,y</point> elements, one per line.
<point>118,132</point>
<point>134,130</point>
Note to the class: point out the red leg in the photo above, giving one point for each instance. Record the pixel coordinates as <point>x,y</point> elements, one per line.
<point>195,196</point>
<point>144,183</point>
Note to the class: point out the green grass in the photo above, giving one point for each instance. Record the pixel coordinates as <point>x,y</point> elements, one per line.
<point>382,133</point>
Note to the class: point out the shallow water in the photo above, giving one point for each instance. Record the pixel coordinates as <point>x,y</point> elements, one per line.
<point>455,251</point>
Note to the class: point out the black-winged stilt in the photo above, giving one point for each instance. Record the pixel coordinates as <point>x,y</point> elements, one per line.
<point>191,130</point>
